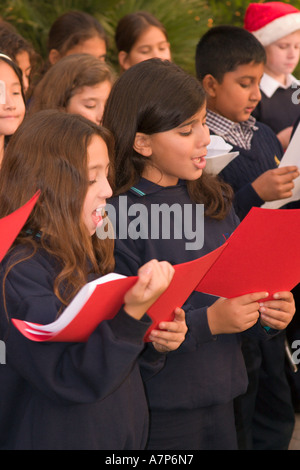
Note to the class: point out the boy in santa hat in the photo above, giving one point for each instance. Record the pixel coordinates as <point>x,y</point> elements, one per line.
<point>277,26</point>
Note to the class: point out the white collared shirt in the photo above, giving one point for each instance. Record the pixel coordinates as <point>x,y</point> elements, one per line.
<point>269,84</point>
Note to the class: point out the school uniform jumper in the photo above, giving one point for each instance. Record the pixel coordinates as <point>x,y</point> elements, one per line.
<point>264,154</point>
<point>68,396</point>
<point>279,105</point>
<point>190,398</point>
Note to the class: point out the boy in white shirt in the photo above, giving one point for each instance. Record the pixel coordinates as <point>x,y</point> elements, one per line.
<point>277,26</point>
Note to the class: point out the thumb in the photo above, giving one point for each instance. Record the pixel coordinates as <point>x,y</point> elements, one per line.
<point>179,314</point>
<point>144,275</point>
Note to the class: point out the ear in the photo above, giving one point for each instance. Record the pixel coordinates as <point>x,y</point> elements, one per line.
<point>209,84</point>
<point>122,57</point>
<point>54,56</point>
<point>142,144</point>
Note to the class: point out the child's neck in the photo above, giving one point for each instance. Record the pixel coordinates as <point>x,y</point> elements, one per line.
<point>281,78</point>
<point>154,175</point>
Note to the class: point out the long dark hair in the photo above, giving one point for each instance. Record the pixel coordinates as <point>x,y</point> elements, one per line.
<point>48,152</point>
<point>71,28</point>
<point>132,26</point>
<point>156,96</point>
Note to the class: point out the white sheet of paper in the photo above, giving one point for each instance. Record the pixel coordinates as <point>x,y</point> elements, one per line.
<point>75,306</point>
<point>2,92</point>
<point>290,157</point>
<point>218,155</point>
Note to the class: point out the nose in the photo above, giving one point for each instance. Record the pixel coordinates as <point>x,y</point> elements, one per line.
<point>105,191</point>
<point>256,93</point>
<point>203,137</point>
<point>9,101</point>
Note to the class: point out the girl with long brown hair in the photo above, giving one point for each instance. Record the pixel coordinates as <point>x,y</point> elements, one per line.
<point>78,83</point>
<point>69,395</point>
<point>157,114</point>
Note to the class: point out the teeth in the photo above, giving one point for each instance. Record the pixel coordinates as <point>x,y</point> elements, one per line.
<point>100,212</point>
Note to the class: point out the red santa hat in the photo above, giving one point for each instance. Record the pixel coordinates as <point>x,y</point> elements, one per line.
<point>271,21</point>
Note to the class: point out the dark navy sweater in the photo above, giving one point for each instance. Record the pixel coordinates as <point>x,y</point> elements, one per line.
<point>264,154</point>
<point>68,396</point>
<point>206,370</point>
<point>280,110</point>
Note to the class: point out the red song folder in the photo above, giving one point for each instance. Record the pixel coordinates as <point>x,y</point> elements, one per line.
<point>263,254</point>
<point>11,225</point>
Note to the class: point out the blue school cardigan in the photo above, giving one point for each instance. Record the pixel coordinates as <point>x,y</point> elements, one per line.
<point>265,154</point>
<point>68,396</point>
<point>206,370</point>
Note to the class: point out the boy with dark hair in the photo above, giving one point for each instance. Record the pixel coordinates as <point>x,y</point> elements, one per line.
<point>230,64</point>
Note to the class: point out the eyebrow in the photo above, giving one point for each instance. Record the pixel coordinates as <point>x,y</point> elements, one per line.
<point>150,45</point>
<point>188,123</point>
<point>191,122</point>
<point>250,77</point>
<point>98,167</point>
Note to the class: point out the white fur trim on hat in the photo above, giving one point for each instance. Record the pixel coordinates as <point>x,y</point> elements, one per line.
<point>278,28</point>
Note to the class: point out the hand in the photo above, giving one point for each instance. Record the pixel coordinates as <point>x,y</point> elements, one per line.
<point>278,313</point>
<point>284,136</point>
<point>234,315</point>
<point>276,184</point>
<point>153,279</point>
<point>171,334</point>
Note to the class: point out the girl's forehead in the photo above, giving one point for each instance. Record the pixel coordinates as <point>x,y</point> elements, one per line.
<point>200,114</point>
<point>7,72</point>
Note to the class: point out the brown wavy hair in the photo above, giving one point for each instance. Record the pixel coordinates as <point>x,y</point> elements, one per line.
<point>65,78</point>
<point>156,96</point>
<point>49,153</point>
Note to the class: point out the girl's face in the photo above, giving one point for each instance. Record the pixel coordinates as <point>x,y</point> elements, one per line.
<point>99,189</point>
<point>23,61</point>
<point>179,153</point>
<point>89,101</point>
<point>13,111</point>
<point>283,55</point>
<point>152,43</point>
<point>95,46</point>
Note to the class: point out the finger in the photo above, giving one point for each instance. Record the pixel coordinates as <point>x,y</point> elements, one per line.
<point>175,325</point>
<point>288,177</point>
<point>276,305</point>
<point>275,319</point>
<point>287,169</point>
<point>167,269</point>
<point>166,337</point>
<point>253,297</point>
<point>146,271</point>
<point>285,303</point>
<point>179,314</point>
<point>285,295</point>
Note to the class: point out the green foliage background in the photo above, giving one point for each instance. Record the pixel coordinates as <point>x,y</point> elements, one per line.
<point>185,20</point>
